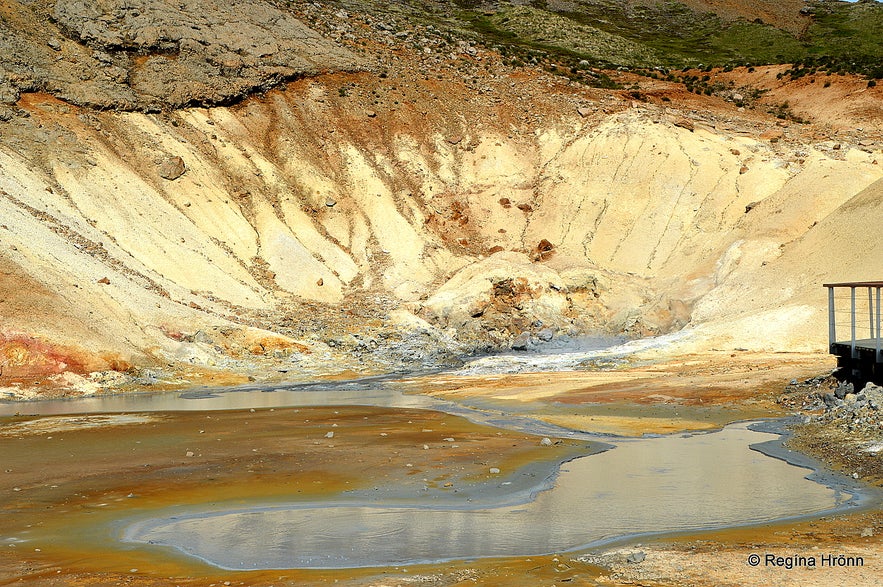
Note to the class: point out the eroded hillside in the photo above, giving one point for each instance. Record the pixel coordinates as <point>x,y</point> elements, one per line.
<point>438,203</point>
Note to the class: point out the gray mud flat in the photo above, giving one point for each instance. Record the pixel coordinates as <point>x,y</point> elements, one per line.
<point>643,486</point>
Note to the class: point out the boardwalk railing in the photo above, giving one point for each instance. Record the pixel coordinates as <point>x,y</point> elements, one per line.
<point>855,306</point>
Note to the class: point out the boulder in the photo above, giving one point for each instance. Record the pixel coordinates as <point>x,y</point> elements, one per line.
<point>521,342</point>
<point>685,123</point>
<point>172,168</point>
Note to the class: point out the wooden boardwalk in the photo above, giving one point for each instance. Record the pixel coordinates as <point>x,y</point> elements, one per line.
<point>855,307</point>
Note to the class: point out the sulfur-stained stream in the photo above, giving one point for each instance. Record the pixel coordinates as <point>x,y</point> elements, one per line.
<point>354,475</point>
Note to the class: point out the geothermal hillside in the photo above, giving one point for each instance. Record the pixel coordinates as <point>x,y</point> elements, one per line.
<point>195,196</point>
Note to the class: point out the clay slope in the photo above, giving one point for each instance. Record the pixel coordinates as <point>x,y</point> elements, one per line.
<point>373,222</point>
<point>450,202</point>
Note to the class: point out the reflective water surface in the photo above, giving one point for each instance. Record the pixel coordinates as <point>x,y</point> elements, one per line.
<point>646,485</point>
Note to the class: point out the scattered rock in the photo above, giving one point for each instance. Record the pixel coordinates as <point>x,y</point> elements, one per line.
<point>544,249</point>
<point>843,389</point>
<point>860,412</point>
<point>743,170</point>
<point>370,113</point>
<point>685,123</point>
<point>494,471</point>
<point>104,281</point>
<point>546,442</point>
<point>582,111</point>
<point>772,135</point>
<point>329,435</point>
<point>521,342</point>
<point>172,168</point>
<point>54,44</point>
<point>636,557</point>
<point>202,337</point>
<point>330,202</point>
<point>320,282</point>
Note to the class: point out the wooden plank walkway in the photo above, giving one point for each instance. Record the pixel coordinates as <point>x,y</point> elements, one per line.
<point>860,357</point>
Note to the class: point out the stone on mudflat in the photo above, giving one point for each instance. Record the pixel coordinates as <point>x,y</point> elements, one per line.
<point>546,442</point>
<point>521,342</point>
<point>546,334</point>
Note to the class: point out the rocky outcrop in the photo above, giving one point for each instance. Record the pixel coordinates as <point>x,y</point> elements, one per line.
<point>157,54</point>
<point>504,299</point>
<point>853,410</point>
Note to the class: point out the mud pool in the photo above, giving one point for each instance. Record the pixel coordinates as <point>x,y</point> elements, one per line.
<point>645,486</point>
<point>605,489</point>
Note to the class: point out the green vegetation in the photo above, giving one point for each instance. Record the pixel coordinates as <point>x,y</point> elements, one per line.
<point>839,37</point>
<point>579,37</point>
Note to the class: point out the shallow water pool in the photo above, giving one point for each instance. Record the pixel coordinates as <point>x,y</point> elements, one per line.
<point>643,486</point>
